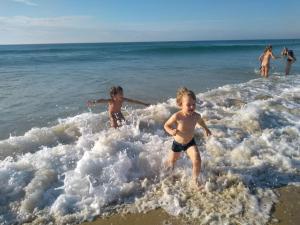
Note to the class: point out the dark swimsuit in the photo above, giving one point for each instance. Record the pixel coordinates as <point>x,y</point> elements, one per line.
<point>177,147</point>
<point>290,53</point>
<point>117,117</point>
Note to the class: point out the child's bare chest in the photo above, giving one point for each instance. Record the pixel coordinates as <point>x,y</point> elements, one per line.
<point>188,123</point>
<point>114,107</point>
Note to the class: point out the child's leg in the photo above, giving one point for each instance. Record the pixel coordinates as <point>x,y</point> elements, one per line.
<point>267,71</point>
<point>113,122</point>
<point>288,68</point>
<point>262,70</point>
<point>194,155</point>
<point>173,156</point>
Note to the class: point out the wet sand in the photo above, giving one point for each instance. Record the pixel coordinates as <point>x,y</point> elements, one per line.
<point>155,217</point>
<point>285,212</point>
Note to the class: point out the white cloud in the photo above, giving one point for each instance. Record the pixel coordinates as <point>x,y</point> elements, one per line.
<point>26,2</point>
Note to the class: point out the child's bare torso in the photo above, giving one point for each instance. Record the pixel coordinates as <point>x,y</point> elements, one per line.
<point>115,114</point>
<point>185,127</point>
<point>114,106</point>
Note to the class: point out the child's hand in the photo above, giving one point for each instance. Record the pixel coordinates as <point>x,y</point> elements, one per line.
<point>173,132</point>
<point>208,132</point>
<point>90,103</point>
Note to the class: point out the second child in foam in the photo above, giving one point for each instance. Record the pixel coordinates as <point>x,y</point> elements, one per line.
<point>181,126</point>
<point>115,104</point>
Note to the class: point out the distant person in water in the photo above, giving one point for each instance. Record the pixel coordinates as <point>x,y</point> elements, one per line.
<point>181,126</point>
<point>115,105</point>
<point>265,61</point>
<point>290,59</point>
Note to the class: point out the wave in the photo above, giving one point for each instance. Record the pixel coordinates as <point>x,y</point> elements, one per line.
<point>84,53</point>
<point>154,47</point>
<point>81,168</point>
<point>198,49</point>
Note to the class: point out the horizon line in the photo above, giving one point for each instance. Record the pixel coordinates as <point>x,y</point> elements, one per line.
<point>128,42</point>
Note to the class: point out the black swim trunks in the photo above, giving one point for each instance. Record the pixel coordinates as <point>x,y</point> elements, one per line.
<point>177,147</point>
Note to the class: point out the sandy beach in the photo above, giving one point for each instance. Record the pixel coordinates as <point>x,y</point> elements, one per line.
<point>285,212</point>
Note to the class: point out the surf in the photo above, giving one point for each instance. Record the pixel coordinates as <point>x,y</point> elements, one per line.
<point>80,168</point>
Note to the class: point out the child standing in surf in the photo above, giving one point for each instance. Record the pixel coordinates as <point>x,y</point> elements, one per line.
<point>181,126</point>
<point>115,105</point>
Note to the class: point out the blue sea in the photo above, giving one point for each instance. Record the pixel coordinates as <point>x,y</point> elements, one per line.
<point>61,163</point>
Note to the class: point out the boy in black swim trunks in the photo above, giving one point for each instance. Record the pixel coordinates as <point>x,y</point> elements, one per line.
<point>181,126</point>
<point>115,105</point>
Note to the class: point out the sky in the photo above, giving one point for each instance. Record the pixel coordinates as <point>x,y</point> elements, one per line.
<point>85,21</point>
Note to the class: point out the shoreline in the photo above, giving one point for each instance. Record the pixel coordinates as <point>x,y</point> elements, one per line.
<point>284,212</point>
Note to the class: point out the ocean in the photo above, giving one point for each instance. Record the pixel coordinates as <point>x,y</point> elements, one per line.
<point>61,162</point>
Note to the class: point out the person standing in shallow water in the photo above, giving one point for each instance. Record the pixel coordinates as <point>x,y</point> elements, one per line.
<point>181,126</point>
<point>115,104</point>
<point>290,59</point>
<point>265,61</point>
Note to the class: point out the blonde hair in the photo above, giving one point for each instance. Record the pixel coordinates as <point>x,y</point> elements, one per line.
<point>182,92</point>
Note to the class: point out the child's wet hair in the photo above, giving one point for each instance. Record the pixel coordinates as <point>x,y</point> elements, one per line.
<point>182,92</point>
<point>115,90</point>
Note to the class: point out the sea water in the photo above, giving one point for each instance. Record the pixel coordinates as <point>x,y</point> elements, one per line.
<point>61,162</point>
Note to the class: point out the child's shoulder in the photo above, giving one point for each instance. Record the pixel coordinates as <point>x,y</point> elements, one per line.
<point>176,115</point>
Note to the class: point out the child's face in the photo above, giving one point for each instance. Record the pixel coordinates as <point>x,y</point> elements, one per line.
<point>188,105</point>
<point>118,97</point>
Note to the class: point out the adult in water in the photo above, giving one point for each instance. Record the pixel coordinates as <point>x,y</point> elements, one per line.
<point>290,59</point>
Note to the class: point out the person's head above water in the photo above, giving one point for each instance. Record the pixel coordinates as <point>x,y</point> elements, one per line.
<point>116,93</point>
<point>269,47</point>
<point>285,51</point>
<point>181,92</point>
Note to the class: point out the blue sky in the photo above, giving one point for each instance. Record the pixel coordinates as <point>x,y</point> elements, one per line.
<point>69,21</point>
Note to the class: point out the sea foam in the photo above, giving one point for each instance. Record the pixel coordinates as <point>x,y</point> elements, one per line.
<point>82,168</point>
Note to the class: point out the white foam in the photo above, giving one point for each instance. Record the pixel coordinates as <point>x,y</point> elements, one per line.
<point>81,168</point>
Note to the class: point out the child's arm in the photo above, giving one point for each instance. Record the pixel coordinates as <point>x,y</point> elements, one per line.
<point>275,57</point>
<point>202,124</point>
<point>135,101</point>
<point>169,125</point>
<point>93,102</point>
